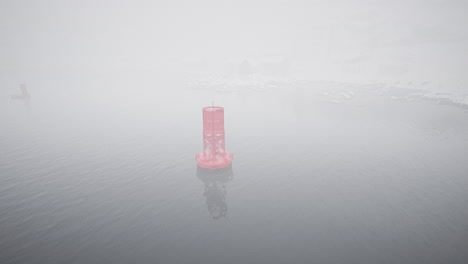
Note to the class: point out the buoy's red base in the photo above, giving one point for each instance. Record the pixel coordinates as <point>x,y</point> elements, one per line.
<point>207,160</point>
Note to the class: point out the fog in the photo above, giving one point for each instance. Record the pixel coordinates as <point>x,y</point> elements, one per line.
<point>348,121</point>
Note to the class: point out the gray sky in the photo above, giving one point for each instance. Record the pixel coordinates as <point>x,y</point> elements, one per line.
<point>399,40</point>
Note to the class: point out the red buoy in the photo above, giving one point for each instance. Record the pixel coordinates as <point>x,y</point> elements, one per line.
<point>214,155</point>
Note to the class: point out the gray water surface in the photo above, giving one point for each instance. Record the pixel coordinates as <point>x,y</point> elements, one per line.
<point>96,179</point>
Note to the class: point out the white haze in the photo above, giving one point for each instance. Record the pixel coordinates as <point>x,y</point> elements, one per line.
<point>347,121</point>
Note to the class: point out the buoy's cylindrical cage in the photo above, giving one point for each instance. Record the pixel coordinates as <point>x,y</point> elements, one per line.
<point>213,130</point>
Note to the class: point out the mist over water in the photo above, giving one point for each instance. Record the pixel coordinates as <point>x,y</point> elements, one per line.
<point>348,123</point>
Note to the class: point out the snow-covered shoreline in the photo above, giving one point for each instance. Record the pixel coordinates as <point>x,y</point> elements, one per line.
<point>336,92</point>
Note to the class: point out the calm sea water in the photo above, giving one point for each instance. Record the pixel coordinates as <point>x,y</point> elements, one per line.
<point>111,177</point>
